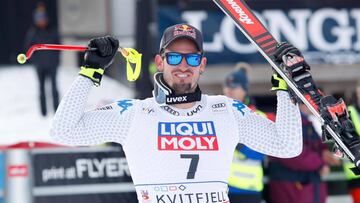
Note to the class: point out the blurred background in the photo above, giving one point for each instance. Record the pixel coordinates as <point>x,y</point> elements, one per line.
<point>326,31</point>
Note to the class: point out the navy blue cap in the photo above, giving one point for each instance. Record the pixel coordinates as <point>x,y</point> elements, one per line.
<point>238,77</point>
<point>181,31</point>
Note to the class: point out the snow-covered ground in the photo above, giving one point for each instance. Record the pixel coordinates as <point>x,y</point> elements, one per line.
<point>20,118</point>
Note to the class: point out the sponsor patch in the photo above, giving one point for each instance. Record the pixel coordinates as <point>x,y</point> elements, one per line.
<point>124,105</point>
<point>175,100</point>
<point>187,136</point>
<point>184,30</point>
<point>148,110</point>
<point>199,197</point>
<point>177,113</point>
<point>239,106</point>
<point>104,108</point>
<point>218,107</point>
<point>169,188</point>
<point>195,111</point>
<point>145,196</point>
<point>21,170</point>
<point>171,110</point>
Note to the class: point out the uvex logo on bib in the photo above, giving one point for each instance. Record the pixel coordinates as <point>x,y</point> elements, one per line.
<point>176,99</point>
<point>187,136</point>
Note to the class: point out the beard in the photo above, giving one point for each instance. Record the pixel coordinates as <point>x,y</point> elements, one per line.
<point>183,88</point>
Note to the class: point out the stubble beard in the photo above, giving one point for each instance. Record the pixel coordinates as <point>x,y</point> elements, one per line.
<point>183,88</point>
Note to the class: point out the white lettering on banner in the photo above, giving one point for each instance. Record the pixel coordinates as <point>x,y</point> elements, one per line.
<point>355,14</point>
<point>196,18</point>
<point>227,30</point>
<point>53,173</point>
<point>88,168</point>
<point>109,167</point>
<point>301,27</point>
<point>342,32</point>
<point>99,165</point>
<point>278,23</point>
<point>60,173</point>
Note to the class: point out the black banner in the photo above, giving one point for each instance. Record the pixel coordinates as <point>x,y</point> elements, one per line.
<point>51,169</point>
<point>82,175</point>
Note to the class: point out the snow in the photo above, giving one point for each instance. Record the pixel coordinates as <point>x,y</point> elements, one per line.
<point>20,118</point>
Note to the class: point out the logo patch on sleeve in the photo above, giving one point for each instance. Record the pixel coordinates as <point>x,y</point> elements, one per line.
<point>124,105</point>
<point>187,136</point>
<point>239,106</point>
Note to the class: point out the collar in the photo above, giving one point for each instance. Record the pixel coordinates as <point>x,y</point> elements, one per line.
<point>164,94</point>
<point>197,108</point>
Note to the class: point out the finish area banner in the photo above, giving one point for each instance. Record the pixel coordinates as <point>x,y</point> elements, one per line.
<point>87,175</point>
<point>329,35</point>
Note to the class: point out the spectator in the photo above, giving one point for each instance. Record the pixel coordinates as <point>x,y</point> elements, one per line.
<point>246,171</point>
<point>298,180</point>
<point>46,62</point>
<point>353,180</point>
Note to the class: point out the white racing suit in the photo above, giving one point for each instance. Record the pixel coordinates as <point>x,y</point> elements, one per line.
<point>178,155</point>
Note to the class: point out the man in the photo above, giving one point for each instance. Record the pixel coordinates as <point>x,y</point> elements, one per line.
<point>179,144</point>
<point>298,179</point>
<point>353,181</point>
<point>246,171</point>
<point>46,63</point>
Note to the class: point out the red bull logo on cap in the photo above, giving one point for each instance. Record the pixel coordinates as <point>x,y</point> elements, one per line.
<point>184,30</point>
<point>187,136</point>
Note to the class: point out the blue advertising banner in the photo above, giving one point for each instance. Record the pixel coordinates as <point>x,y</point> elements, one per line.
<point>2,176</point>
<point>324,35</point>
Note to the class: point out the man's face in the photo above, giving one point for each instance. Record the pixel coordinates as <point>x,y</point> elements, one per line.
<point>42,23</point>
<point>183,78</point>
<point>237,93</point>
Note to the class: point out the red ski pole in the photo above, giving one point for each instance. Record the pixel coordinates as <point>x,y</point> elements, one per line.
<point>131,56</point>
<point>22,58</point>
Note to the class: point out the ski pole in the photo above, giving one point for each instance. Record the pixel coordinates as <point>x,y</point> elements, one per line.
<point>22,58</point>
<point>131,56</point>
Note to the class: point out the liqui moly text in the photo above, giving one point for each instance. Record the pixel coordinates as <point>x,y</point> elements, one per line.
<point>187,136</point>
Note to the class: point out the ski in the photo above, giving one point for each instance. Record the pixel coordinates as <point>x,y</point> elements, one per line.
<point>332,113</point>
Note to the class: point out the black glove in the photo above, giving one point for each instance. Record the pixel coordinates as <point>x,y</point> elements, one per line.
<point>291,60</point>
<point>98,57</point>
<point>102,57</point>
<point>294,66</point>
<point>284,48</point>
